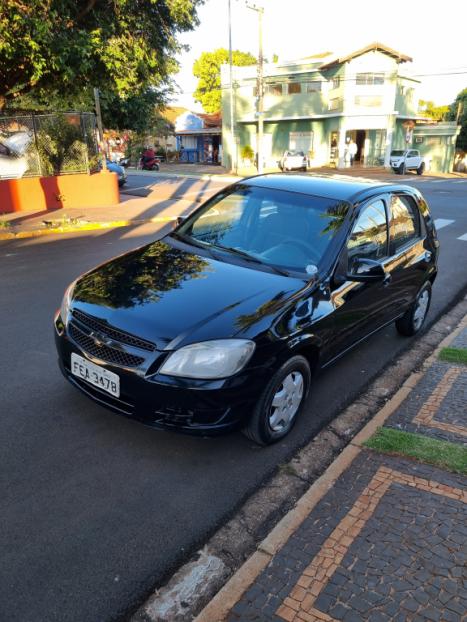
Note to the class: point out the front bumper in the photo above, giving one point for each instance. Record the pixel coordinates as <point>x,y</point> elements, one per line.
<point>193,406</point>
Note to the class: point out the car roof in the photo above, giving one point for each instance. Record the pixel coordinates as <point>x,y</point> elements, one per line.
<point>339,189</point>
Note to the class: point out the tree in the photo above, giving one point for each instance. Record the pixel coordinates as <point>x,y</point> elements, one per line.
<point>428,108</point>
<point>207,68</point>
<point>56,47</point>
<point>458,111</point>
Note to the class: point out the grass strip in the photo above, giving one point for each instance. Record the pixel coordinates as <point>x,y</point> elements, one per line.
<point>454,355</point>
<point>422,448</point>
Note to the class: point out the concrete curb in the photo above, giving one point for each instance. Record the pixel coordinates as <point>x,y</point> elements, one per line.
<point>200,176</point>
<point>280,506</point>
<point>92,226</point>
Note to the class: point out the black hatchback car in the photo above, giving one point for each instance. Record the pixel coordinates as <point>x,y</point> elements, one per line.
<point>222,322</point>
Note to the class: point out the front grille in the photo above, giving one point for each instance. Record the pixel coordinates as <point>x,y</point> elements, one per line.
<point>103,327</point>
<point>102,351</point>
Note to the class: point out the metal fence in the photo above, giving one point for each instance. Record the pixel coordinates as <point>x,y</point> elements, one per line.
<point>48,144</point>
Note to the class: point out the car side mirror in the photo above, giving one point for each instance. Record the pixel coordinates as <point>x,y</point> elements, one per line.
<point>178,221</point>
<point>366,271</point>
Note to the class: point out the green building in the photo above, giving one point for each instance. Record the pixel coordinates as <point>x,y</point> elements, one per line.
<point>317,104</point>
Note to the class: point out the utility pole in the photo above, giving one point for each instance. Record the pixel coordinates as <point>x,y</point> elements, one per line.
<point>232,115</point>
<point>260,89</point>
<point>100,126</point>
<point>460,107</point>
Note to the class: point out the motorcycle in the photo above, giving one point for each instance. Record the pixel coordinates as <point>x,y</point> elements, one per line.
<point>149,162</point>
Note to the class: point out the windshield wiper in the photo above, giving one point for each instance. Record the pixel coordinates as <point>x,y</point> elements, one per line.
<point>193,242</point>
<point>251,258</point>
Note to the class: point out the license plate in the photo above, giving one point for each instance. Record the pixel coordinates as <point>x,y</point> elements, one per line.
<point>98,376</point>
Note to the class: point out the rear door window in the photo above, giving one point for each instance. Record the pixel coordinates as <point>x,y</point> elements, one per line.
<point>405,221</point>
<point>369,237</point>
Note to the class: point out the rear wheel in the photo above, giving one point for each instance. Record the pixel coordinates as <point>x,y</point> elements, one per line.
<point>280,403</point>
<point>414,318</point>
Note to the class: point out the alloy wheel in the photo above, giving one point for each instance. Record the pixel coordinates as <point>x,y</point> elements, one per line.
<point>421,309</point>
<point>286,401</point>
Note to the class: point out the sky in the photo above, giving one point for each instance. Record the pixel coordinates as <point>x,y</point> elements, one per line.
<point>434,36</point>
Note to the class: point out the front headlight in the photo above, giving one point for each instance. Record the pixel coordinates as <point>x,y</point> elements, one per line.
<point>209,359</point>
<point>65,306</point>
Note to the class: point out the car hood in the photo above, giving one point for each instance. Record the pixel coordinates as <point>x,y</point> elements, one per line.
<point>172,297</point>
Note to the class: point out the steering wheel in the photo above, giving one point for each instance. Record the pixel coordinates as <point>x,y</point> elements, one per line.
<point>307,249</point>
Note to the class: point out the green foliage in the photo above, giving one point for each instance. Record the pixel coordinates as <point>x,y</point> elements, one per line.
<point>60,146</point>
<point>428,108</point>
<point>453,355</point>
<point>207,68</point>
<point>62,48</point>
<point>460,103</point>
<point>247,153</point>
<point>440,453</point>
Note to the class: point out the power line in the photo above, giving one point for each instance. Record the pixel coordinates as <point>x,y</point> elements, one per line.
<point>284,79</point>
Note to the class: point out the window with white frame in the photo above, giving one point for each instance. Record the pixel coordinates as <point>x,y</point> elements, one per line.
<point>370,78</point>
<point>313,86</point>
<point>334,103</point>
<point>335,82</point>
<point>274,88</point>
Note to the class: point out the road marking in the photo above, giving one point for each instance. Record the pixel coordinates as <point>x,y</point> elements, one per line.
<point>442,222</point>
<point>463,237</point>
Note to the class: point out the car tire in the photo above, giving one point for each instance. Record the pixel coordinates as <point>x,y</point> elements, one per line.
<point>288,387</point>
<point>414,318</point>
<point>421,169</point>
<point>402,169</point>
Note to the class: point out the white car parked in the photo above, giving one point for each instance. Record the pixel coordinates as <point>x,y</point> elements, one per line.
<point>13,161</point>
<point>409,160</point>
<point>293,161</point>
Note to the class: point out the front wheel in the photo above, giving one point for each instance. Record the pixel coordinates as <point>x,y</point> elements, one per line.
<point>421,168</point>
<point>414,318</point>
<point>280,403</point>
<point>402,169</point>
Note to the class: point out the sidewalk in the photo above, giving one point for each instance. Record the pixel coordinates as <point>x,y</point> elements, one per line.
<point>154,207</point>
<point>208,171</point>
<point>382,534</point>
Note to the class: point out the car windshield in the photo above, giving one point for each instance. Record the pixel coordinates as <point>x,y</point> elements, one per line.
<point>397,152</point>
<point>274,227</point>
<point>295,153</point>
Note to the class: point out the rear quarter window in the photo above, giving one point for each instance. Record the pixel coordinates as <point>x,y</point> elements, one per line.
<point>405,221</point>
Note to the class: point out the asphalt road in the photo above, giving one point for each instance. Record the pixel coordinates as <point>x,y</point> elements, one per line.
<point>95,509</point>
